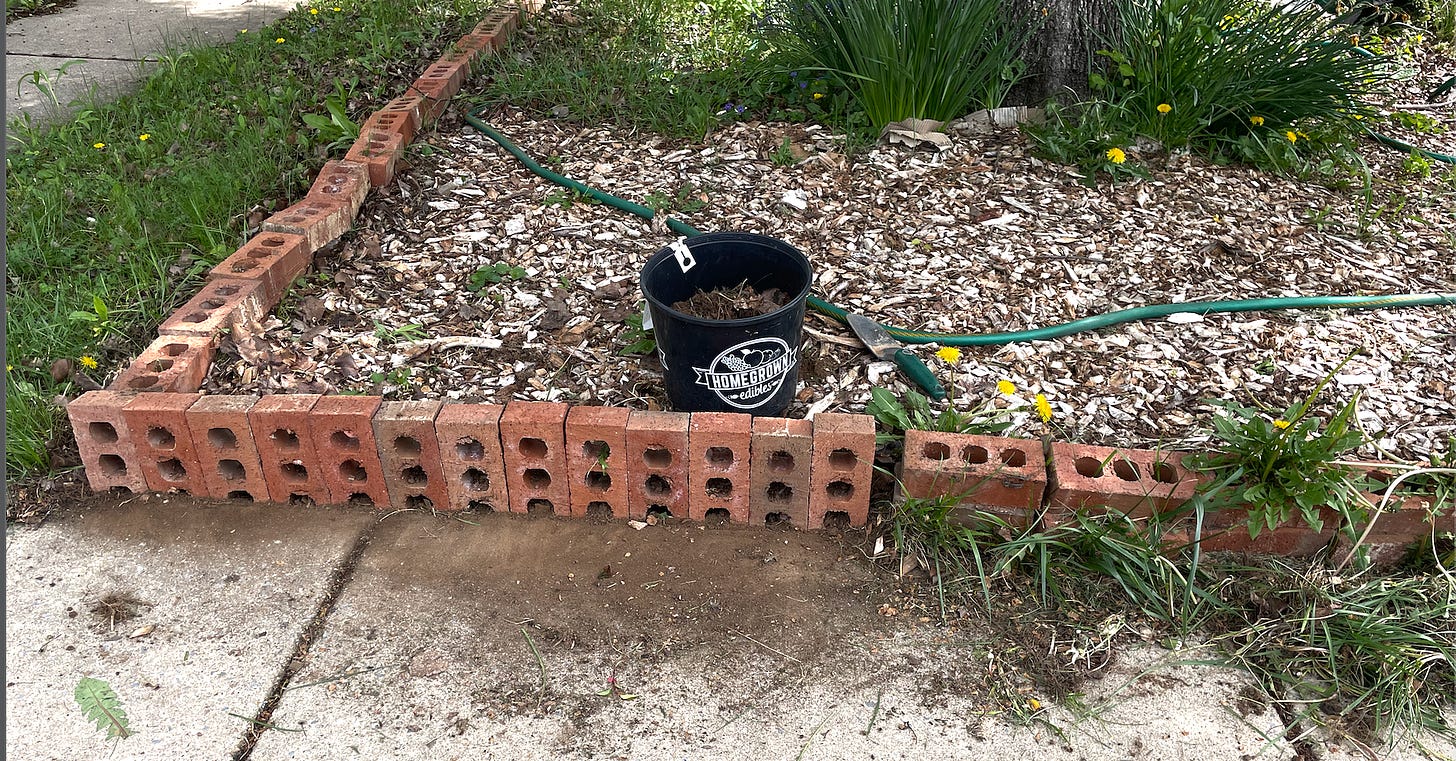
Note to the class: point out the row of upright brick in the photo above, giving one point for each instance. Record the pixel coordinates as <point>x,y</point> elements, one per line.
<point>248,284</point>
<point>523,457</point>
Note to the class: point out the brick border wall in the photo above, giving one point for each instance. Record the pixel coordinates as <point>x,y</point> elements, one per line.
<point>150,429</point>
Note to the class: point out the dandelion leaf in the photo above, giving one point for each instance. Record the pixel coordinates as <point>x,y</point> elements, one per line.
<point>102,707</point>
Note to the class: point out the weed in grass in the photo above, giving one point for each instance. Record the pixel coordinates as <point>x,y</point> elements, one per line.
<point>335,128</point>
<point>914,413</point>
<point>784,154</point>
<point>638,340</point>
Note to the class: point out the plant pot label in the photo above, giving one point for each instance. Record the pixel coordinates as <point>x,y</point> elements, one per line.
<point>749,374</point>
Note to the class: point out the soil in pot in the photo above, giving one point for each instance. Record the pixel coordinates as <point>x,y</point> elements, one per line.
<point>735,303</point>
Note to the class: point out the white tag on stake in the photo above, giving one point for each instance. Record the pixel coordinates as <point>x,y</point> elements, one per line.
<point>684,255</point>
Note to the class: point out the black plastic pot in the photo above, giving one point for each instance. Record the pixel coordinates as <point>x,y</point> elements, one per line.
<point>749,365</point>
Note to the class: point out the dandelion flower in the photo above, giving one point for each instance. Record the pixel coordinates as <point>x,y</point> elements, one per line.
<point>99,146</point>
<point>145,136</point>
<point>88,362</point>
<point>278,41</point>
<point>1034,704</point>
<point>1044,408</point>
<point>950,354</point>
<point>1257,121</point>
<point>336,9</point>
<point>8,368</point>
<point>1164,108</point>
<point>1006,387</point>
<point>242,31</point>
<point>1289,133</point>
<point>818,95</point>
<point>1281,424</point>
<point>313,11</point>
<point>1116,156</point>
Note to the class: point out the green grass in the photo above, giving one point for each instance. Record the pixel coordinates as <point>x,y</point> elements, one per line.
<point>133,225</point>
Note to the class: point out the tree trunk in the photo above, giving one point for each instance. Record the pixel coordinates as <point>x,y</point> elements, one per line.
<point>1061,52</point>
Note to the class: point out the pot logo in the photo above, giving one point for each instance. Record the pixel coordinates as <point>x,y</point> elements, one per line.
<point>747,375</point>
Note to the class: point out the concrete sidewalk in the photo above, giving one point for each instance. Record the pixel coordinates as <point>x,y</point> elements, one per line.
<point>110,40</point>
<point>495,636</point>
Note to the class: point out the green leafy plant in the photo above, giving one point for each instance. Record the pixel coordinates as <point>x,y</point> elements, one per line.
<point>914,413</point>
<point>99,317</point>
<point>410,332</point>
<point>102,707</point>
<point>1086,135</point>
<point>1277,467</point>
<point>495,273</point>
<point>334,127</point>
<point>926,59</point>
<point>639,340</point>
<point>1417,165</point>
<point>784,154</point>
<point>1418,122</point>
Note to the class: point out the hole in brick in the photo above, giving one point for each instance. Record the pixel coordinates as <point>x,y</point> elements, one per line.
<point>284,439</point>
<point>1014,458</point>
<point>534,448</point>
<point>344,440</point>
<point>231,470</point>
<point>360,499</point>
<point>143,381</point>
<point>213,304</point>
<point>1090,467</point>
<point>936,450</point>
<point>244,266</point>
<point>195,317</point>
<point>597,451</point>
<point>1164,472</point>
<point>781,462</point>
<point>657,485</point>
<point>239,495</point>
<point>659,512</point>
<point>843,459</point>
<point>407,446</point>
<point>780,520</point>
<point>222,438</point>
<point>119,491</point>
<point>719,488</point>
<point>224,290</point>
<point>161,438</point>
<point>836,520</point>
<point>172,469</point>
<point>419,502</point>
<point>294,472</point>
<point>1125,469</point>
<point>174,350</point>
<point>102,433</point>
<point>537,508</point>
<point>475,479</point>
<point>300,500</point>
<point>599,510</point>
<point>536,478</point>
<point>414,475</point>
<point>159,365</point>
<point>272,241</point>
<point>975,455</point>
<point>598,481</point>
<point>778,491</point>
<point>839,491</point>
<point>353,471</point>
<point>657,457</point>
<point>720,457</point>
<point>469,449</point>
<point>716,516</point>
<point>260,253</point>
<point>112,465</point>
<point>479,506</point>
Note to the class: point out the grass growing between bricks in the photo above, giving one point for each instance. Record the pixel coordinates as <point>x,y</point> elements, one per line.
<point>116,214</point>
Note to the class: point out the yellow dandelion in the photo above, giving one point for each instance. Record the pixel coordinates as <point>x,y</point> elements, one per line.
<point>1164,108</point>
<point>278,41</point>
<point>1289,133</point>
<point>1116,156</point>
<point>1044,408</point>
<point>8,368</point>
<point>818,95</point>
<point>1034,704</point>
<point>313,11</point>
<point>242,31</point>
<point>99,146</point>
<point>88,362</point>
<point>1006,387</point>
<point>336,9</point>
<point>145,136</point>
<point>1257,121</point>
<point>950,354</point>
<point>1281,424</point>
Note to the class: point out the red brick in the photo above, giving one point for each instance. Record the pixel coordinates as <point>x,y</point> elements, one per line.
<point>470,452</point>
<point>223,439</point>
<point>348,456</point>
<point>105,441</point>
<point>283,433</point>
<point>176,363</point>
<point>1004,477</point>
<point>1406,515</point>
<point>596,458</point>
<point>459,56</point>
<point>533,441</point>
<point>844,458</point>
<point>410,454</point>
<point>719,470</point>
<point>402,122</point>
<point>782,455</point>
<point>344,182</point>
<point>1227,531</point>
<point>478,45</point>
<point>657,463</point>
<point>379,152</point>
<point>275,260</point>
<point>1134,482</point>
<point>222,305</point>
<point>450,71</point>
<point>319,221</point>
<point>163,442</point>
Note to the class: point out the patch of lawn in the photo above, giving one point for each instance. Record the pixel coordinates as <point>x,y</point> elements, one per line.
<point>115,214</point>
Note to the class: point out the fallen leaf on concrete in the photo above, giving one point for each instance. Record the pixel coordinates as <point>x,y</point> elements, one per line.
<point>143,631</point>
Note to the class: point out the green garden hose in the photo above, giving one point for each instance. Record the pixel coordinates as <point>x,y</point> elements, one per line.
<point>997,339</point>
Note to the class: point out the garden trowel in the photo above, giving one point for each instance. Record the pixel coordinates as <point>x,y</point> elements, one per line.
<point>883,346</point>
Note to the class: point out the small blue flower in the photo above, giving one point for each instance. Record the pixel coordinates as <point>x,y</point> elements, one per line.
<point>793,75</point>
<point>741,108</point>
<point>802,85</point>
<point>728,106</point>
